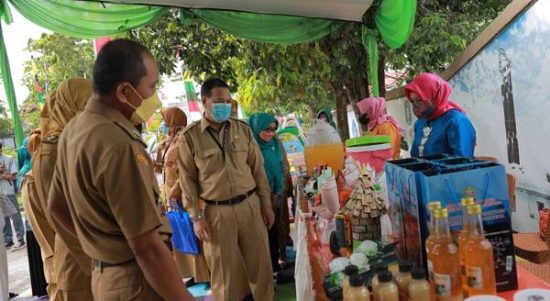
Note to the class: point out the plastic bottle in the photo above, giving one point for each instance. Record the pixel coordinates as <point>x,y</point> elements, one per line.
<point>402,279</point>
<point>479,262</point>
<point>419,289</point>
<point>387,290</point>
<point>349,271</point>
<point>446,262</point>
<point>357,290</point>
<point>430,241</point>
<point>463,239</point>
<point>377,268</point>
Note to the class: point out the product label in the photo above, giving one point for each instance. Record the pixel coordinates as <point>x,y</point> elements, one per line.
<point>442,285</point>
<point>430,271</point>
<point>475,277</point>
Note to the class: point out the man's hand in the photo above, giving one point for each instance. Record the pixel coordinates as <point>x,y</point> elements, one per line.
<point>268,216</point>
<point>202,230</point>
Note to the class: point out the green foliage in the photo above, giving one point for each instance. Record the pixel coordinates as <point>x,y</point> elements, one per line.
<point>56,58</point>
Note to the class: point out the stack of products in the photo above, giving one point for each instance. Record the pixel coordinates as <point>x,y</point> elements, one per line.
<point>414,183</point>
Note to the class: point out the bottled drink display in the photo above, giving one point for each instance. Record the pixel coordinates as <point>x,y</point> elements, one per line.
<point>478,258</point>
<point>402,279</point>
<point>432,206</point>
<point>464,236</point>
<point>387,290</point>
<point>445,261</point>
<point>349,272</point>
<point>357,290</point>
<point>419,288</point>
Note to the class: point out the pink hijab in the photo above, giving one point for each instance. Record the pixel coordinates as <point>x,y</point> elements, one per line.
<point>429,86</point>
<point>375,109</point>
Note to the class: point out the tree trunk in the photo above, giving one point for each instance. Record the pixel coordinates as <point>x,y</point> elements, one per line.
<point>341,111</point>
<point>381,74</point>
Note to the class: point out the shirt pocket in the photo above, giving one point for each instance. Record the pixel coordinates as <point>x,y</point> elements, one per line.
<point>239,152</point>
<point>209,161</point>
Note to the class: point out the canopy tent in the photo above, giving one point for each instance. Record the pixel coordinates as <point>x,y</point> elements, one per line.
<point>261,20</point>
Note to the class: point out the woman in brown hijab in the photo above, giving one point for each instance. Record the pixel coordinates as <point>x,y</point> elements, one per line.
<point>166,162</point>
<point>72,268</point>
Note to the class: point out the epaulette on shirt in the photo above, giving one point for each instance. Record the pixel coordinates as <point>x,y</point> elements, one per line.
<point>133,133</point>
<point>191,126</point>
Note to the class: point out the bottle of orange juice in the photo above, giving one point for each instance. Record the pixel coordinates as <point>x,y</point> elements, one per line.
<point>432,206</point>
<point>463,238</point>
<point>445,260</point>
<point>479,262</point>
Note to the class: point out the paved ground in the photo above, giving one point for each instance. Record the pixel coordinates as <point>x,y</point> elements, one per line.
<point>18,270</point>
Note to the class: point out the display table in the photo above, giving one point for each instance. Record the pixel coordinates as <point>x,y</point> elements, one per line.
<point>313,258</point>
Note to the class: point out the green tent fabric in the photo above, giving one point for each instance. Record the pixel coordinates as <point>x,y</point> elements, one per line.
<point>394,23</point>
<point>268,28</point>
<point>5,14</point>
<point>84,19</point>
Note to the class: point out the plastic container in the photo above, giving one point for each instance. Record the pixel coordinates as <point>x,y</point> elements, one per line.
<point>357,291</point>
<point>387,290</point>
<point>402,279</point>
<point>368,140</point>
<point>323,146</point>
<point>419,288</point>
<point>373,155</point>
<point>376,269</point>
<point>532,294</point>
<point>329,194</point>
<point>349,271</point>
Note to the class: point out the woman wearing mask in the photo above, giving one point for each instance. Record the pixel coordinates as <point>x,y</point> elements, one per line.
<point>264,126</point>
<point>373,115</point>
<point>176,120</point>
<point>326,115</point>
<point>442,126</point>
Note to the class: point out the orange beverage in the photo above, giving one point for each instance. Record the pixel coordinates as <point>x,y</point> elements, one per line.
<point>480,270</point>
<point>445,260</point>
<point>325,154</point>
<point>430,241</point>
<point>463,238</point>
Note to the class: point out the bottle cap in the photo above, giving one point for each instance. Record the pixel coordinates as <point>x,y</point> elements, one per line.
<point>385,277</point>
<point>405,266</point>
<point>378,267</point>
<point>356,281</point>
<point>418,273</point>
<point>465,202</point>
<point>441,213</point>
<point>434,205</point>
<point>474,209</point>
<point>351,270</point>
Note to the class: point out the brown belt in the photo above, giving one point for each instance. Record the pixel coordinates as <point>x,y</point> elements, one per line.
<point>98,264</point>
<point>234,201</point>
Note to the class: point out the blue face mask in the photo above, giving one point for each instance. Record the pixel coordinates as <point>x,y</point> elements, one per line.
<point>221,112</point>
<point>164,129</point>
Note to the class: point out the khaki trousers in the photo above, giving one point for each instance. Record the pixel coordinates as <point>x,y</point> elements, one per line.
<point>122,283</point>
<point>238,236</point>
<point>192,266</point>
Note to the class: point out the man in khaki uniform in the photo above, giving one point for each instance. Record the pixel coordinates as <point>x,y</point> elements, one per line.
<point>72,267</point>
<point>221,164</point>
<point>104,189</point>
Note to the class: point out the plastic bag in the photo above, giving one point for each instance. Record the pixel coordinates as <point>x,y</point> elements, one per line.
<point>368,247</point>
<point>183,238</point>
<point>338,264</point>
<point>360,260</point>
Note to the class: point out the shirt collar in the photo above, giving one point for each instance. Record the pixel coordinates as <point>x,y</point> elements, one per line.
<point>96,106</point>
<point>205,124</point>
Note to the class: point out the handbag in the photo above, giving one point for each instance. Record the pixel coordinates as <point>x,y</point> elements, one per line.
<point>183,237</point>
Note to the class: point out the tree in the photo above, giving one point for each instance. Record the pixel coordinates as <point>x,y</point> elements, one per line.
<point>57,58</point>
<point>275,77</point>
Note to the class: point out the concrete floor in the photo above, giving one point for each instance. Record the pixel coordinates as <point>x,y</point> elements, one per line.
<point>18,270</point>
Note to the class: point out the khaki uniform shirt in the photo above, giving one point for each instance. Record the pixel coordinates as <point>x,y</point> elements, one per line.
<point>106,177</point>
<point>218,166</point>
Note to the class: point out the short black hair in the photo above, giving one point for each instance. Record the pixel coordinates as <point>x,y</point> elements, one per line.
<point>119,60</point>
<point>212,83</point>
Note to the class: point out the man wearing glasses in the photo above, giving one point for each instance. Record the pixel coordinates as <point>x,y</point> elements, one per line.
<point>221,165</point>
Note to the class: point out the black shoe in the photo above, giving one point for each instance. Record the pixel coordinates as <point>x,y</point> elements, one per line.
<point>9,244</point>
<point>190,282</point>
<point>249,297</point>
<point>12,295</point>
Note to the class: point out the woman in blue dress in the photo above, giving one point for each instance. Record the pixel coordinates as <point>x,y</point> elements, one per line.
<point>442,126</point>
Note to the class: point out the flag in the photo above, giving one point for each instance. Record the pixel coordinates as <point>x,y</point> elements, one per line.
<point>192,98</point>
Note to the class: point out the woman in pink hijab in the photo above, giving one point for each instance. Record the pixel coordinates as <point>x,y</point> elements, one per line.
<point>442,126</point>
<point>373,115</point>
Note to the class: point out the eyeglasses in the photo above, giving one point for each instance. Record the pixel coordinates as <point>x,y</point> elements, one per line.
<point>427,130</point>
<point>271,130</point>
